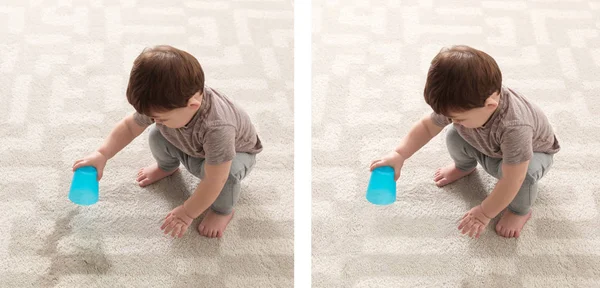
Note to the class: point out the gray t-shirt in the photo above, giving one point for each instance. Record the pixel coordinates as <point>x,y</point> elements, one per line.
<point>514,131</point>
<point>218,130</point>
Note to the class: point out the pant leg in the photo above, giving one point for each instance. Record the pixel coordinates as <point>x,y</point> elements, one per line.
<point>466,156</point>
<point>167,156</point>
<point>539,166</point>
<point>241,166</point>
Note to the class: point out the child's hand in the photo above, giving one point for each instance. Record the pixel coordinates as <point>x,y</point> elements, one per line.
<point>393,159</point>
<point>474,222</point>
<point>95,159</point>
<point>177,221</point>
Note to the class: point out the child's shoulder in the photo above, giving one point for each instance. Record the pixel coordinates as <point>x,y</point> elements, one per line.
<point>518,109</point>
<point>219,109</point>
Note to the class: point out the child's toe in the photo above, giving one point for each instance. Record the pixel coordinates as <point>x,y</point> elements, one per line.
<point>441,182</point>
<point>144,182</point>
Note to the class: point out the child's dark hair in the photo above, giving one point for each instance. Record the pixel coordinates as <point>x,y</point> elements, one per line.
<point>163,78</point>
<point>461,78</point>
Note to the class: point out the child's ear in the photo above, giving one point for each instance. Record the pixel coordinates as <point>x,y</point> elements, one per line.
<point>491,104</point>
<point>195,101</point>
<point>492,101</point>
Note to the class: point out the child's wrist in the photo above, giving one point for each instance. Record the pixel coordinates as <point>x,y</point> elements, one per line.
<point>102,153</point>
<point>400,154</point>
<point>185,210</point>
<point>483,211</point>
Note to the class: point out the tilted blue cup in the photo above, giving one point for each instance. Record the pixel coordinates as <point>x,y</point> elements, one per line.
<point>84,188</point>
<point>382,186</point>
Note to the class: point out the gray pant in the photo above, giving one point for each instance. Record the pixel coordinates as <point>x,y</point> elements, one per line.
<point>466,158</point>
<point>169,157</point>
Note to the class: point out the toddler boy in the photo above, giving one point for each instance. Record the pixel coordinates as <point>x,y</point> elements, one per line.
<point>494,126</point>
<point>194,125</point>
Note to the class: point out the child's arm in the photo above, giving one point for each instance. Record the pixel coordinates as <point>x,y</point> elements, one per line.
<point>208,190</point>
<point>506,189</point>
<point>417,137</point>
<point>123,133</point>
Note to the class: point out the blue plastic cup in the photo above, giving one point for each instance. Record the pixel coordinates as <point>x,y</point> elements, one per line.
<point>382,187</point>
<point>84,188</point>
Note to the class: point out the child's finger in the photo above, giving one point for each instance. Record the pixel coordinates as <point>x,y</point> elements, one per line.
<point>463,221</point>
<point>462,224</point>
<point>396,174</point>
<point>373,162</point>
<point>176,230</point>
<point>473,230</point>
<point>78,164</point>
<point>168,221</point>
<point>170,227</point>
<point>467,226</point>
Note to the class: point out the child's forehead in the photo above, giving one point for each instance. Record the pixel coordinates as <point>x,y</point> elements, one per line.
<point>458,114</point>
<point>454,114</point>
<point>158,114</point>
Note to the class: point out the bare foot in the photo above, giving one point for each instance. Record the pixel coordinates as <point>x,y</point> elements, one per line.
<point>446,175</point>
<point>510,224</point>
<point>151,174</point>
<point>213,225</point>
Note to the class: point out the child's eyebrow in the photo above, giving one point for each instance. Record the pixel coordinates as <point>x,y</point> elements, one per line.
<point>455,118</point>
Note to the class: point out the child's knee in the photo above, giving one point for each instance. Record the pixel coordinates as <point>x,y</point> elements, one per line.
<point>534,172</point>
<point>240,168</point>
<point>235,176</point>
<point>155,138</point>
<point>154,134</point>
<point>453,139</point>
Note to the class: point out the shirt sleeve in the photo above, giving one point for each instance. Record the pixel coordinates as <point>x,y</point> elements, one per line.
<point>440,120</point>
<point>219,144</point>
<point>142,120</point>
<point>517,144</point>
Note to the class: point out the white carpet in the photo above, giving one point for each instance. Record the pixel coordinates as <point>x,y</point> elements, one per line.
<point>64,67</point>
<point>369,70</point>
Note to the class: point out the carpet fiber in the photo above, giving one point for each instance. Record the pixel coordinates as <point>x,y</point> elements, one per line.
<point>64,68</point>
<point>369,70</point>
